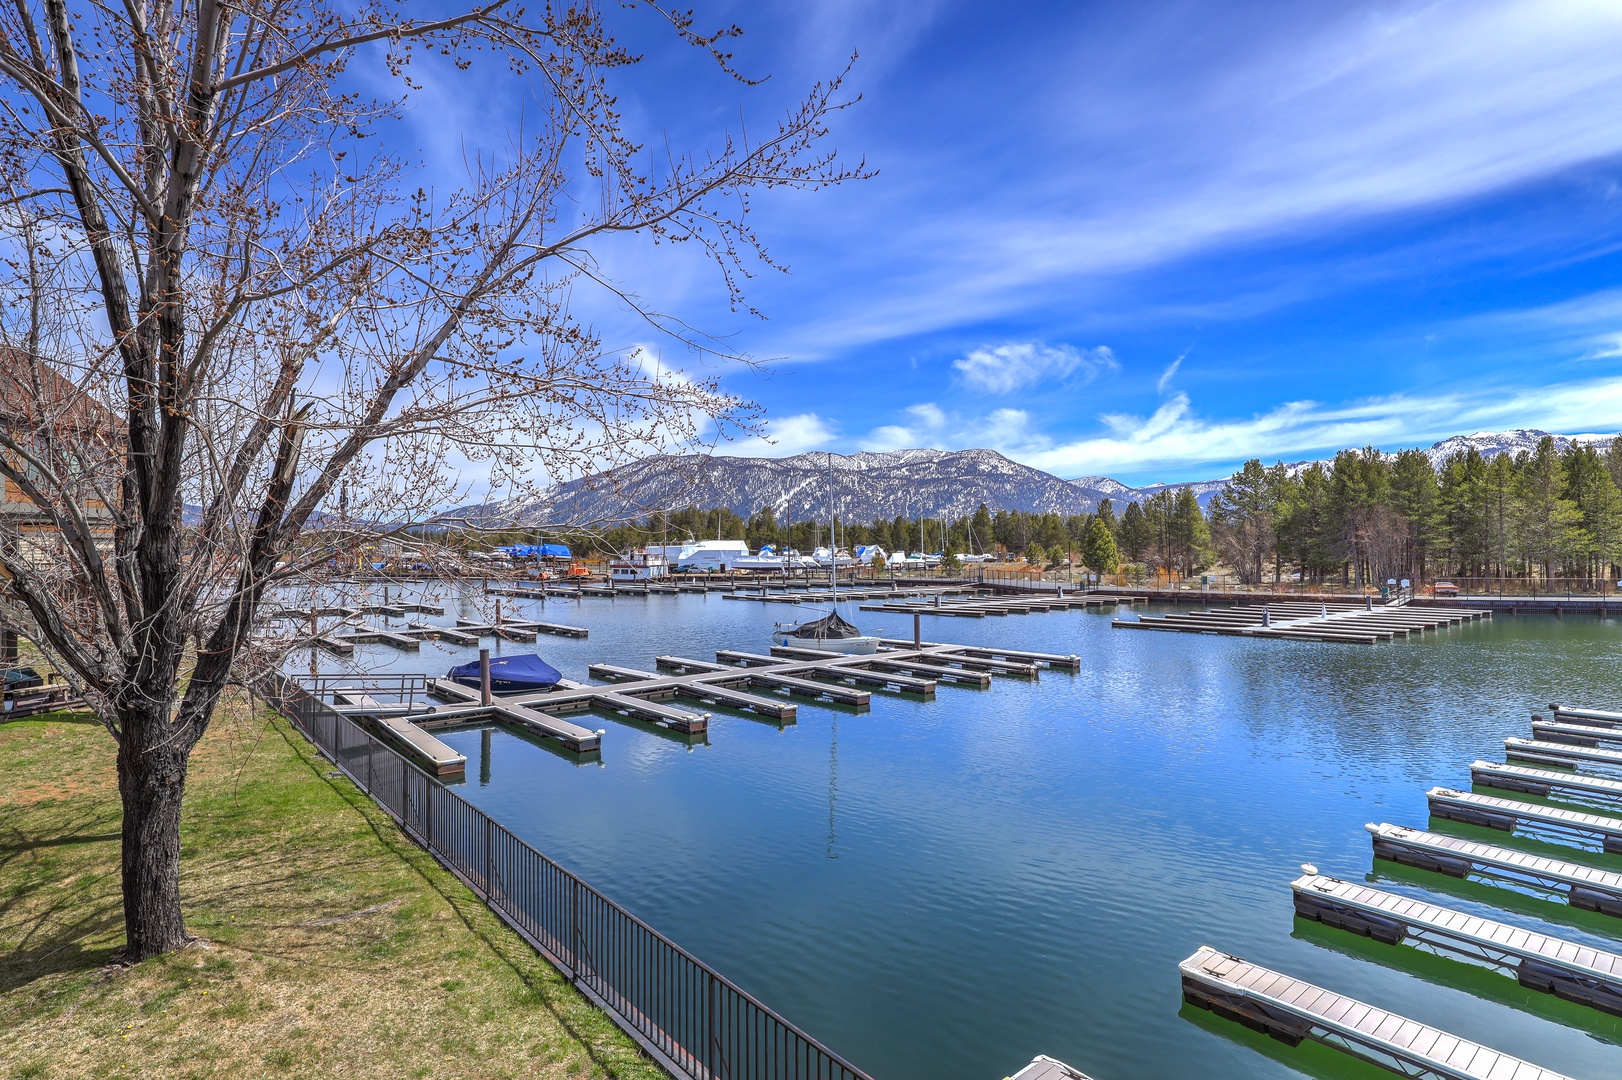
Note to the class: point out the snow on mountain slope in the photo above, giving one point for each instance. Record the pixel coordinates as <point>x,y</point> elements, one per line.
<point>870,485</point>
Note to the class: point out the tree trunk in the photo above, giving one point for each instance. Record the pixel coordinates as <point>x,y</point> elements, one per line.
<point>151,781</point>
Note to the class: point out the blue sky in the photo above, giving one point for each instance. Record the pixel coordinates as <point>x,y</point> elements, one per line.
<point>1149,240</point>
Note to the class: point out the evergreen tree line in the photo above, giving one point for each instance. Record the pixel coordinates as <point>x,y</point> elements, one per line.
<point>1538,514</point>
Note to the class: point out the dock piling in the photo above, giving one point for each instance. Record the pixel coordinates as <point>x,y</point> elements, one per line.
<point>485,696</point>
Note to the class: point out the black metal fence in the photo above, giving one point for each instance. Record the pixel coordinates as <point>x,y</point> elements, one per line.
<point>687,1016</point>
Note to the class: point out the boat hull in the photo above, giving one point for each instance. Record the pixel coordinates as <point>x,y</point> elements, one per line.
<point>863,645</point>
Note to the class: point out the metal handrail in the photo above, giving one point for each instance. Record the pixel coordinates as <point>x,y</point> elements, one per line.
<point>692,1020</point>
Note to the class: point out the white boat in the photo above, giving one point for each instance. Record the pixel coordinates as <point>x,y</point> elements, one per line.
<point>702,554</point>
<point>829,634</point>
<point>768,559</point>
<point>824,557</point>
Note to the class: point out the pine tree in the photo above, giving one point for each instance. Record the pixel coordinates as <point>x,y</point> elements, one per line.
<point>1099,552</point>
<point>1134,532</point>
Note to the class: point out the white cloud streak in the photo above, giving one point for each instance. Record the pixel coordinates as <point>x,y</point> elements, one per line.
<point>1167,375</point>
<point>1176,443</point>
<point>1301,123</point>
<point>1002,369</point>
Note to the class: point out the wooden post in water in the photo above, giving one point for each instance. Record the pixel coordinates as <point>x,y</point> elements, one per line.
<point>917,631</point>
<point>485,697</point>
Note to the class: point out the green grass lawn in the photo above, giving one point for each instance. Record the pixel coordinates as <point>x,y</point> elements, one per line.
<point>329,945</point>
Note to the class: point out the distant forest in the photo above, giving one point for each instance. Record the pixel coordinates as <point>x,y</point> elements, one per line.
<point>1364,517</point>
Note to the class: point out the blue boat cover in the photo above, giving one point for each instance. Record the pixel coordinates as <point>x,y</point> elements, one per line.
<point>537,551</point>
<point>510,674</point>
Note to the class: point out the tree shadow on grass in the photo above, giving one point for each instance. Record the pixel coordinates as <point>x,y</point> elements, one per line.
<point>546,983</point>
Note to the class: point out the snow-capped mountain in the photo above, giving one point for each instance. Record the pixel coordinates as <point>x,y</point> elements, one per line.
<point>1489,444</point>
<point>868,485</point>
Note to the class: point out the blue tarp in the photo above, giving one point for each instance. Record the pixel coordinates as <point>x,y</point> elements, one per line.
<point>537,551</point>
<point>510,674</point>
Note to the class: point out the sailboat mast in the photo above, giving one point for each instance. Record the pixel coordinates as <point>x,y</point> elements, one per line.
<point>833,544</point>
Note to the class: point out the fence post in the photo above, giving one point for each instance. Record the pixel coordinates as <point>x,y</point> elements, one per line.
<point>710,1057</point>
<point>574,924</point>
<point>489,860</point>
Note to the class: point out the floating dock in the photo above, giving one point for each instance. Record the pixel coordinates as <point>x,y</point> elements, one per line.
<point>1601,717</point>
<point>1544,782</point>
<point>1356,623</point>
<point>1511,814</point>
<point>1586,734</point>
<point>784,672</point>
<point>1046,1068</point>
<point>422,747</point>
<point>1291,1010</point>
<point>977,608</point>
<point>1560,754</point>
<point>1555,966</point>
<point>1583,886</point>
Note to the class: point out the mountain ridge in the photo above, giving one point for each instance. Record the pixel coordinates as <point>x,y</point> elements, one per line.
<point>872,484</point>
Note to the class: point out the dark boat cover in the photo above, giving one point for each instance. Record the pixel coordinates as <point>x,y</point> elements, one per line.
<point>510,674</point>
<point>830,626</point>
<point>22,678</point>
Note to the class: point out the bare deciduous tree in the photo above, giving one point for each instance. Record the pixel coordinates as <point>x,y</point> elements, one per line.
<point>223,295</point>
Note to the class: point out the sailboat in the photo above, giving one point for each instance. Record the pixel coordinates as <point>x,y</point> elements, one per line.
<point>830,633</point>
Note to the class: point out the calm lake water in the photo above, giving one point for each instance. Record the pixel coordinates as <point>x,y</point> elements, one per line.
<point>945,889</point>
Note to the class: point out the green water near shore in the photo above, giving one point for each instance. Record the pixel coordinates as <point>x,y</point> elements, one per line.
<point>945,889</point>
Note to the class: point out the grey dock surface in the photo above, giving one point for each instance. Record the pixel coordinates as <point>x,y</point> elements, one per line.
<point>1292,1010</point>
<point>1583,886</point>
<point>1509,814</point>
<point>1046,1068</point>
<point>1544,782</point>
<point>427,751</point>
<point>979,608</point>
<point>1301,621</point>
<point>1563,968</point>
<point>575,737</point>
<point>1568,755</point>
<point>1579,734</point>
<point>1602,716</point>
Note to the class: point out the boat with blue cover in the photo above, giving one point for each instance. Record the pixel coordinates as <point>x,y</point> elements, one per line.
<point>522,673</point>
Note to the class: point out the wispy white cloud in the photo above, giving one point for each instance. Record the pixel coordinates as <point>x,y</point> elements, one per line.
<point>1290,123</point>
<point>1177,442</point>
<point>1002,369</point>
<point>783,436</point>
<point>1167,375</point>
<point>1178,439</point>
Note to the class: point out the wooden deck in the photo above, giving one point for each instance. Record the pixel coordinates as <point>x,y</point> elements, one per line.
<point>1292,1010</point>
<point>1364,624</point>
<point>1564,968</point>
<point>1583,886</point>
<point>1511,814</point>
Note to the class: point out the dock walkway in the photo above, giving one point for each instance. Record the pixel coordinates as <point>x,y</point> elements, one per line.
<point>1366,623</point>
<point>1291,1010</point>
<point>1544,782</point>
<point>1046,1068</point>
<point>979,608</point>
<point>1583,886</point>
<point>1493,812</point>
<point>1564,968</point>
